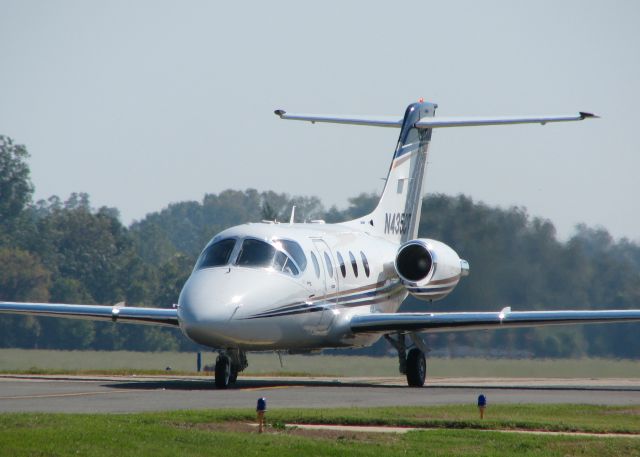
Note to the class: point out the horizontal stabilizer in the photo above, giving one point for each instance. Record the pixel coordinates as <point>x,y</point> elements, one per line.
<point>448,322</point>
<point>434,122</point>
<point>377,121</point>
<point>117,313</point>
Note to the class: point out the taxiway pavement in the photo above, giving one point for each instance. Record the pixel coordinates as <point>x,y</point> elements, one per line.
<point>112,394</point>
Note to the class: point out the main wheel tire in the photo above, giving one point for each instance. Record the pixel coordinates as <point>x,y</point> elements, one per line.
<point>233,377</point>
<point>416,368</point>
<point>223,372</point>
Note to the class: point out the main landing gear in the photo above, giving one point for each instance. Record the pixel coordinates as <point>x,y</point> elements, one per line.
<point>413,364</point>
<point>229,363</point>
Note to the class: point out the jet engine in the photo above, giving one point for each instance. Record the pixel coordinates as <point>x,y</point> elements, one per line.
<point>429,269</point>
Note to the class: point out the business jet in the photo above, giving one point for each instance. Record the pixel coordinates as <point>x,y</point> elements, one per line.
<point>303,287</point>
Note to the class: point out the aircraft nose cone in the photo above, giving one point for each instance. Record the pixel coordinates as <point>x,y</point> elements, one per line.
<point>208,295</point>
<point>214,301</point>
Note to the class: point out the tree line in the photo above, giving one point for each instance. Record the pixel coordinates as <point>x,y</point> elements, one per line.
<point>66,251</point>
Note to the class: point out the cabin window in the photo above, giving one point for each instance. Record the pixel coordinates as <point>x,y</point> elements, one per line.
<point>327,260</point>
<point>217,254</point>
<point>365,264</point>
<point>316,266</point>
<point>354,264</point>
<point>343,268</point>
<point>295,251</point>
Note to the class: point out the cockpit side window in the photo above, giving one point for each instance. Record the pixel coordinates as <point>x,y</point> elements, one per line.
<point>284,264</point>
<point>260,254</point>
<point>255,253</point>
<point>217,254</point>
<point>295,251</point>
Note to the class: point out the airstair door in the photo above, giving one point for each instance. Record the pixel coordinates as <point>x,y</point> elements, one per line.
<point>331,285</point>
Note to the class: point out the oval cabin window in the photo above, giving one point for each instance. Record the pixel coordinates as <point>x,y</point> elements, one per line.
<point>327,260</point>
<point>343,268</point>
<point>354,264</point>
<point>365,264</point>
<point>316,265</point>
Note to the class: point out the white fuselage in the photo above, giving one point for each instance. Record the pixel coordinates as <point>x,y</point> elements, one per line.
<point>261,308</point>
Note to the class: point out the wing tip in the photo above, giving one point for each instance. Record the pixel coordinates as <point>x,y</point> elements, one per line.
<point>587,115</point>
<point>280,113</point>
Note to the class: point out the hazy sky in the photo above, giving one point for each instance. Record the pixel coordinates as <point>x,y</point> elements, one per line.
<point>143,103</point>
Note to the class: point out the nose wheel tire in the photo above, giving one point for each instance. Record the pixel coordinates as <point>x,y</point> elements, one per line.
<point>416,368</point>
<point>223,372</point>
<point>233,377</point>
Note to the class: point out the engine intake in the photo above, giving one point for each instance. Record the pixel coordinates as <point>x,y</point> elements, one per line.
<point>429,269</point>
<point>414,261</point>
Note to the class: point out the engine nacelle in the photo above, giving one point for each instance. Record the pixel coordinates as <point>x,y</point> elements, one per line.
<point>429,269</point>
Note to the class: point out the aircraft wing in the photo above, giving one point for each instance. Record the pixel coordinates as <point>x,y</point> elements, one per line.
<point>448,322</point>
<point>116,313</point>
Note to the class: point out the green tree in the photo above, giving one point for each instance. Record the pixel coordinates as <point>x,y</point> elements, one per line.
<point>66,251</point>
<point>15,183</point>
<point>22,278</point>
<point>172,276</point>
<point>74,242</point>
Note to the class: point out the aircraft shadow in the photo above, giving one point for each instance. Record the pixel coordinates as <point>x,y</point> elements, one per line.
<point>250,384</point>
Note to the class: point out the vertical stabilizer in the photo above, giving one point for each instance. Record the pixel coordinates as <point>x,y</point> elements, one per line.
<point>397,215</point>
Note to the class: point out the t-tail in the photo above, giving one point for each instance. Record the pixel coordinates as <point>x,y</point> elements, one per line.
<point>397,215</point>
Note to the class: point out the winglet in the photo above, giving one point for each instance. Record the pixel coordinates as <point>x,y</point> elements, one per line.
<point>585,115</point>
<point>280,112</point>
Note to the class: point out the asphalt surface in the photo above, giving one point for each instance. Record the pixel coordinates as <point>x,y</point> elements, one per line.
<point>92,394</point>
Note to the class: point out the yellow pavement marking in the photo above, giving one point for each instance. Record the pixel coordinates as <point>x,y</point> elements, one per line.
<point>74,394</point>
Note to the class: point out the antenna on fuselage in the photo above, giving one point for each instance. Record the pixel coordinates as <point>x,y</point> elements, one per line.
<point>293,213</point>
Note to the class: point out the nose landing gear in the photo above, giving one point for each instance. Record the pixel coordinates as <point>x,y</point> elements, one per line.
<point>413,364</point>
<point>229,363</point>
<point>223,371</point>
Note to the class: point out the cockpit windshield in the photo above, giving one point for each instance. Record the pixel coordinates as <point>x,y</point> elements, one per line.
<point>259,254</point>
<point>217,254</point>
<point>285,256</point>
<point>255,253</point>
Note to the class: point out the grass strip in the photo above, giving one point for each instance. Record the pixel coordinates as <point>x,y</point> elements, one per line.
<point>318,365</point>
<point>139,372</point>
<point>559,418</point>
<point>213,433</point>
